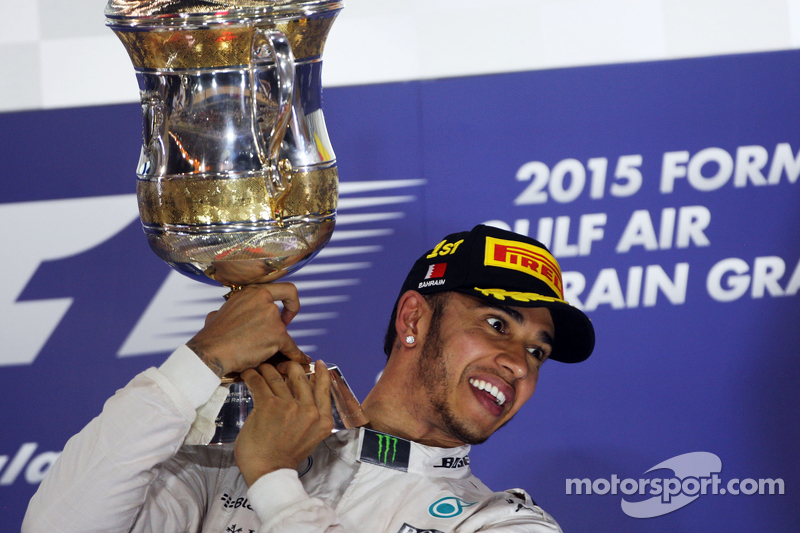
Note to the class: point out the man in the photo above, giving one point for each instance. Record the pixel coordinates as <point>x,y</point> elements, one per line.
<point>476,318</point>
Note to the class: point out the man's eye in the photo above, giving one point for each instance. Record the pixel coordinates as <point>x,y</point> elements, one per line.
<point>496,323</point>
<point>537,353</point>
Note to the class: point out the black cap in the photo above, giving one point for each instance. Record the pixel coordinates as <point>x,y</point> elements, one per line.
<point>499,265</point>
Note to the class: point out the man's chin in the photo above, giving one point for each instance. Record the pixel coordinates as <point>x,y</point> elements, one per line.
<point>480,439</point>
<point>464,432</point>
<point>471,438</point>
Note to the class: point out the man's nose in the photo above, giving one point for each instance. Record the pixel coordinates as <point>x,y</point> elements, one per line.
<point>514,361</point>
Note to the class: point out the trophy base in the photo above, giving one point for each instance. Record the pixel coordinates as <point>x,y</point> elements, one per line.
<point>347,412</point>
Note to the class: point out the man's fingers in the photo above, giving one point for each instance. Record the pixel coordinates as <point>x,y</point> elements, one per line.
<point>274,381</point>
<point>290,349</point>
<point>258,387</point>
<point>283,292</point>
<point>270,294</point>
<point>301,386</point>
<point>286,293</point>
<point>322,387</point>
<point>210,317</point>
<point>297,381</point>
<point>287,314</point>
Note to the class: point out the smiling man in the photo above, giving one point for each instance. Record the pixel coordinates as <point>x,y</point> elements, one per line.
<point>477,317</point>
<point>477,366</point>
<point>493,310</point>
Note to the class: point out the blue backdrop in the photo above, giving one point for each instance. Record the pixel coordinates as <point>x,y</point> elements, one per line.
<point>667,190</point>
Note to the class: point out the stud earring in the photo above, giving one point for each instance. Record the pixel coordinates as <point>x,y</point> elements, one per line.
<point>410,339</point>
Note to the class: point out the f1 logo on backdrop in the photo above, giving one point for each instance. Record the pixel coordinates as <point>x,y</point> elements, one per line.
<point>47,231</point>
<point>58,229</point>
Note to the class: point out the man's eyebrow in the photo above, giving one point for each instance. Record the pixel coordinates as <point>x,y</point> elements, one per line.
<point>546,338</point>
<point>510,311</point>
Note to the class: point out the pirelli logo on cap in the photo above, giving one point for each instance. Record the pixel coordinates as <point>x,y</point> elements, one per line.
<point>526,258</point>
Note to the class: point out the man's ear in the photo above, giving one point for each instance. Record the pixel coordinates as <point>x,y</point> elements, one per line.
<point>413,314</point>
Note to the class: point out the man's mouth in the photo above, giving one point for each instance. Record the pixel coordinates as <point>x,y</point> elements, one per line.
<point>479,384</point>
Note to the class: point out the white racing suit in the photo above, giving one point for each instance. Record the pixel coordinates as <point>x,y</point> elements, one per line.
<point>135,468</point>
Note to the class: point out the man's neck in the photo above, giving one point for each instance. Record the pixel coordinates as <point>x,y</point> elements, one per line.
<point>390,411</point>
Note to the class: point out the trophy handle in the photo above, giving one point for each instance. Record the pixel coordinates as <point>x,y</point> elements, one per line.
<point>277,172</point>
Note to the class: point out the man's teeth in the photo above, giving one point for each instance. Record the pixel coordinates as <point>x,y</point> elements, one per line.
<point>479,384</point>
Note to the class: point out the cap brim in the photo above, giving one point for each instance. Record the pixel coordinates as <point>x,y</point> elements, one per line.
<point>574,333</point>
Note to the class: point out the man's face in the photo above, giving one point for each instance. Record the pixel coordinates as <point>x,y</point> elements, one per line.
<point>481,364</point>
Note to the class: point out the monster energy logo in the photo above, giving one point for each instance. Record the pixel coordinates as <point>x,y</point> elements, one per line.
<point>385,443</point>
<point>385,450</point>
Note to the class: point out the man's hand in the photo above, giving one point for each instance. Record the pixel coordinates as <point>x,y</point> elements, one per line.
<point>249,329</point>
<point>289,418</point>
